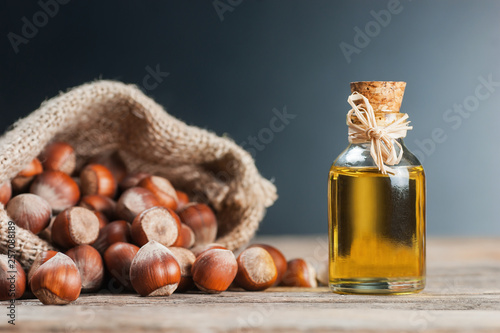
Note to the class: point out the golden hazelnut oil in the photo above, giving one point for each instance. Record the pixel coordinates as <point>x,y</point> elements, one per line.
<point>376,211</point>
<point>377,230</point>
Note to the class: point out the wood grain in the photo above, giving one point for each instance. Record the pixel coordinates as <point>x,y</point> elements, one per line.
<point>462,295</point>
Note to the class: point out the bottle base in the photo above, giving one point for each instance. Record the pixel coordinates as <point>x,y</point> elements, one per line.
<point>378,286</point>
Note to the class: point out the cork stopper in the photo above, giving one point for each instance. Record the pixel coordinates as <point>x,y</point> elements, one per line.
<point>384,96</point>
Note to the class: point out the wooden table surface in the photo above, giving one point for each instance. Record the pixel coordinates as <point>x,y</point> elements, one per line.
<point>462,294</point>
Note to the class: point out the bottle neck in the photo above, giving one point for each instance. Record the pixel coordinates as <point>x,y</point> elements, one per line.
<point>359,154</point>
<point>368,144</point>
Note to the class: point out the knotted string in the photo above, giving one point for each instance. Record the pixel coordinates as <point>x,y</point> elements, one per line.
<point>382,138</point>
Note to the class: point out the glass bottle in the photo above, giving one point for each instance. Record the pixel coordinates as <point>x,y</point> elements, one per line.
<point>376,220</point>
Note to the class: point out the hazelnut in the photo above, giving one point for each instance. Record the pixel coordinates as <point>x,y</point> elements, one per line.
<point>75,226</point>
<point>256,269</point>
<point>33,169</point>
<point>118,258</point>
<point>90,266</point>
<point>40,259</point>
<point>299,274</point>
<point>202,220</point>
<point>99,203</point>
<point>57,281</point>
<point>157,224</point>
<point>114,232</point>
<point>134,201</point>
<point>186,259</point>
<point>132,180</point>
<point>186,237</point>
<point>199,249</point>
<point>214,270</point>
<point>97,179</point>
<point>22,181</point>
<point>12,278</point>
<point>154,271</point>
<point>59,189</point>
<point>59,156</point>
<point>5,192</point>
<point>182,199</point>
<point>113,162</point>
<point>278,258</point>
<point>30,212</point>
<point>162,189</point>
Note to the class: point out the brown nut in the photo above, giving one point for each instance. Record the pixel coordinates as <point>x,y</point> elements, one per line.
<point>97,179</point>
<point>214,270</point>
<point>256,269</point>
<point>182,199</point>
<point>23,179</point>
<point>57,281</point>
<point>118,258</point>
<point>33,169</point>
<point>113,162</point>
<point>99,203</point>
<point>5,193</point>
<point>133,202</point>
<point>199,249</point>
<point>59,189</point>
<point>186,237</point>
<point>90,266</point>
<point>40,259</point>
<point>75,226</point>
<point>162,189</point>
<point>154,271</point>
<point>30,212</point>
<point>114,232</point>
<point>186,259</point>
<point>202,220</point>
<point>278,258</point>
<point>300,274</point>
<point>156,223</point>
<point>59,156</point>
<point>12,278</point>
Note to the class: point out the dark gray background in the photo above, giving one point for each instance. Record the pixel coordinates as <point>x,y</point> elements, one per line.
<point>228,75</point>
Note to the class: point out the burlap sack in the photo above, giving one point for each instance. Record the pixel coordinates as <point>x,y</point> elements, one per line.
<point>106,116</point>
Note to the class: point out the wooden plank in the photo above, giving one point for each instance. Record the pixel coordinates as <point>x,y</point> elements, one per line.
<point>462,294</point>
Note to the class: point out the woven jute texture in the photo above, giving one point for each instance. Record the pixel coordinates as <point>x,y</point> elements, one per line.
<point>107,116</point>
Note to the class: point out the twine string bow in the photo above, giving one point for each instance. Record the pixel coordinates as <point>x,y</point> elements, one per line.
<point>383,138</point>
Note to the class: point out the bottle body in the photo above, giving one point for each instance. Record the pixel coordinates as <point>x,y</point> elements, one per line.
<point>376,224</point>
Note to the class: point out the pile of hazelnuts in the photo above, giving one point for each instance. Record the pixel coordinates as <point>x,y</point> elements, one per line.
<point>132,230</point>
